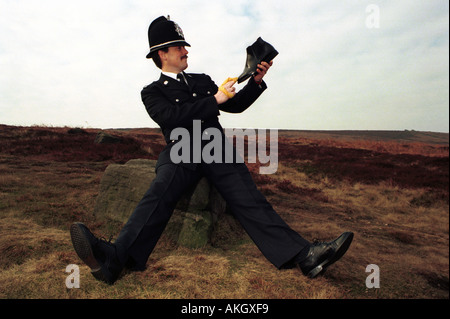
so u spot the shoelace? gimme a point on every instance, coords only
(103, 240)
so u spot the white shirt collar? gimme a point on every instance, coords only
(170, 74)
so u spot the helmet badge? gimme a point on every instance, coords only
(178, 30)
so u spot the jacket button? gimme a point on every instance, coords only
(194, 94)
(208, 93)
(166, 82)
(177, 100)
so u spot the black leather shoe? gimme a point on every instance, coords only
(98, 254)
(256, 53)
(322, 255)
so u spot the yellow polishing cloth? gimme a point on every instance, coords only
(228, 80)
(221, 88)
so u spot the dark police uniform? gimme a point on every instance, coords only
(173, 104)
(190, 111)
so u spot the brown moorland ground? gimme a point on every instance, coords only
(389, 188)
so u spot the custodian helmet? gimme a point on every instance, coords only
(163, 33)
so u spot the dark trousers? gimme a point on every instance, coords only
(274, 238)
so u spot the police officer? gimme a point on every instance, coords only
(175, 101)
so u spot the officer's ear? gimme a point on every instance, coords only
(156, 56)
(161, 55)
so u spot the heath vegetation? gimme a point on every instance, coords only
(389, 188)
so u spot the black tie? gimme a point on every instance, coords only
(181, 78)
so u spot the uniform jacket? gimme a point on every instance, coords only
(173, 104)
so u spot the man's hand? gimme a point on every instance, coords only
(262, 70)
(222, 97)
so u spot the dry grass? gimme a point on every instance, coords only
(404, 230)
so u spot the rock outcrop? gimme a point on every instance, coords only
(105, 138)
(200, 216)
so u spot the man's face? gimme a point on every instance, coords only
(174, 60)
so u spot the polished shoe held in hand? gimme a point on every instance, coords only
(256, 53)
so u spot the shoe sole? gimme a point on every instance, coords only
(83, 248)
(342, 249)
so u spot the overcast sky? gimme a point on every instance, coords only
(342, 65)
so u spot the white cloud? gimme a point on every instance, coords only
(83, 63)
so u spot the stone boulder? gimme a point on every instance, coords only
(200, 216)
(76, 130)
(122, 187)
(105, 138)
